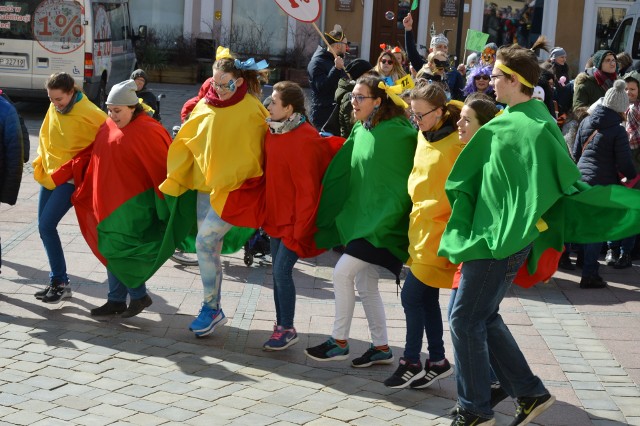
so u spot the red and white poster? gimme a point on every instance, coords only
(302, 10)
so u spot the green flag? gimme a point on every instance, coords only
(414, 5)
(476, 40)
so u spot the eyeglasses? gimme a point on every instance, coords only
(610, 61)
(386, 61)
(358, 98)
(418, 117)
(228, 86)
(481, 77)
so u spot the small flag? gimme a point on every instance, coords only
(476, 40)
(414, 5)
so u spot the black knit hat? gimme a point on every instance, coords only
(358, 67)
(139, 73)
(599, 56)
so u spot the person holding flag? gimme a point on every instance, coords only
(218, 152)
(70, 125)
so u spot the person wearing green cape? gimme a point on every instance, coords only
(365, 206)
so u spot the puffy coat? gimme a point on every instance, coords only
(11, 155)
(324, 78)
(608, 153)
(586, 90)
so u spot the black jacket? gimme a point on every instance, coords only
(324, 78)
(11, 155)
(608, 153)
(26, 146)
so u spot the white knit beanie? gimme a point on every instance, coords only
(616, 98)
(123, 93)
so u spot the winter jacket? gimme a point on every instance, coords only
(11, 156)
(587, 90)
(26, 146)
(324, 78)
(608, 153)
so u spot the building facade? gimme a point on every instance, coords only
(579, 26)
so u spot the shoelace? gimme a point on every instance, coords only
(277, 334)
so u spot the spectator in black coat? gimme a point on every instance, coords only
(144, 93)
(26, 145)
(11, 156)
(602, 152)
(325, 71)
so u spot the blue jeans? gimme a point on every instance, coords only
(118, 291)
(481, 339)
(422, 312)
(284, 290)
(211, 231)
(52, 206)
(590, 264)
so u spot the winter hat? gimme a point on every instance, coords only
(336, 35)
(599, 56)
(357, 68)
(616, 98)
(139, 73)
(124, 93)
(557, 52)
(538, 93)
(438, 39)
(633, 76)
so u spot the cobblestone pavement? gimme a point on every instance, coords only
(58, 365)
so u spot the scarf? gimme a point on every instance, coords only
(75, 98)
(280, 127)
(633, 125)
(605, 79)
(212, 97)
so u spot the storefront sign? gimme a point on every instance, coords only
(344, 5)
(449, 8)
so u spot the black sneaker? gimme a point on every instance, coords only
(565, 262)
(531, 407)
(405, 375)
(328, 351)
(54, 281)
(498, 395)
(136, 306)
(624, 261)
(463, 418)
(592, 281)
(612, 257)
(433, 373)
(109, 308)
(373, 356)
(57, 292)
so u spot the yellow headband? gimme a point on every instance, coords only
(393, 92)
(223, 52)
(508, 70)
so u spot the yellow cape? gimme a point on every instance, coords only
(431, 209)
(62, 136)
(217, 149)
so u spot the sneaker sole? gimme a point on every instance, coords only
(435, 379)
(376, 362)
(223, 321)
(333, 358)
(537, 411)
(418, 376)
(273, 348)
(55, 302)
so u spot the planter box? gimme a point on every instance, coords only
(172, 74)
(299, 76)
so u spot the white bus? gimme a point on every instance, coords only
(92, 40)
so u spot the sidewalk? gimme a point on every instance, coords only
(58, 365)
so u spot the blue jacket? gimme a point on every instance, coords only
(11, 155)
(608, 153)
(324, 78)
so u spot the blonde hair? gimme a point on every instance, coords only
(396, 71)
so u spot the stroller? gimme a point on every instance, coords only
(259, 245)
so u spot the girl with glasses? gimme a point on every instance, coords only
(438, 148)
(478, 81)
(218, 152)
(389, 68)
(365, 207)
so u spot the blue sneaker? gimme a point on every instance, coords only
(207, 320)
(328, 351)
(281, 339)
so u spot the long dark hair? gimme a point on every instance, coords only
(62, 81)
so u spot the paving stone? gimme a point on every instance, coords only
(92, 420)
(21, 418)
(164, 397)
(145, 419)
(223, 412)
(270, 410)
(252, 419)
(343, 414)
(64, 413)
(147, 407)
(175, 414)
